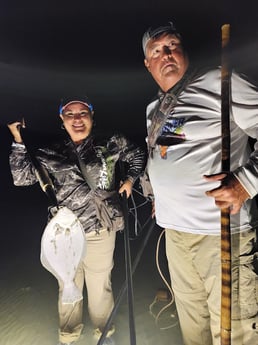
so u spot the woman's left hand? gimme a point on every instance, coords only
(126, 187)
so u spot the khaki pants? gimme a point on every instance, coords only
(95, 271)
(195, 269)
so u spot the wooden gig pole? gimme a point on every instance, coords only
(225, 213)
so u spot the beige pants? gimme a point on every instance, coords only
(195, 270)
(95, 271)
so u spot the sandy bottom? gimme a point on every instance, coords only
(28, 298)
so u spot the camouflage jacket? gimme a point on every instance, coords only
(60, 160)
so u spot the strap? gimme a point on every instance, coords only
(82, 167)
(165, 108)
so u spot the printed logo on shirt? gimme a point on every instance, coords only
(174, 128)
(107, 168)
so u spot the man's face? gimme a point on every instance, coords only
(77, 120)
(166, 60)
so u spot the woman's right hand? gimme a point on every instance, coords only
(15, 130)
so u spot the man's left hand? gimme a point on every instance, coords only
(230, 194)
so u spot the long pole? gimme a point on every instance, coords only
(41, 173)
(129, 281)
(225, 213)
(124, 286)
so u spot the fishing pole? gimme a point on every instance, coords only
(128, 267)
(128, 263)
(41, 172)
(124, 286)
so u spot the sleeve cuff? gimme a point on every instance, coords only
(246, 178)
(14, 144)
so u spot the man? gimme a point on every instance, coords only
(184, 168)
(68, 162)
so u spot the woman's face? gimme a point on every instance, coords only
(77, 120)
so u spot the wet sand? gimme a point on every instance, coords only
(28, 294)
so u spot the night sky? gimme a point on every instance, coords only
(50, 49)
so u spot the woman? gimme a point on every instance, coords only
(82, 168)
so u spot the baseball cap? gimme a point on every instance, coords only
(75, 99)
(154, 32)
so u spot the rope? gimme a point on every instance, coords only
(165, 293)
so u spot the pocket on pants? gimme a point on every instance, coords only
(245, 291)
